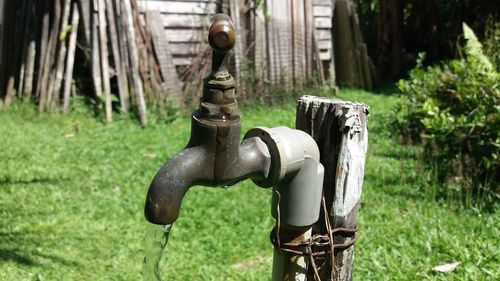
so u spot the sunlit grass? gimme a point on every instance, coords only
(73, 189)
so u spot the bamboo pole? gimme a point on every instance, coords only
(340, 130)
(70, 61)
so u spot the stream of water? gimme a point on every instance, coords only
(155, 242)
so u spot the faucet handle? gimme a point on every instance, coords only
(221, 35)
(219, 86)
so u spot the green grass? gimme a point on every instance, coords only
(72, 194)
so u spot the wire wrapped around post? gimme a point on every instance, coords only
(318, 246)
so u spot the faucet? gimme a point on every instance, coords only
(213, 155)
(283, 158)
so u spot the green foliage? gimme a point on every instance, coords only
(453, 109)
(474, 52)
(163, 111)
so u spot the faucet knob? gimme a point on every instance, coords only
(221, 35)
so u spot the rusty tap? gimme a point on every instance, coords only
(213, 155)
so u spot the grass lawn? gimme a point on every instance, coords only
(72, 191)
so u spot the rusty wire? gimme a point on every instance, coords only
(322, 244)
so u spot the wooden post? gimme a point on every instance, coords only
(340, 130)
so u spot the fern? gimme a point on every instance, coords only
(474, 50)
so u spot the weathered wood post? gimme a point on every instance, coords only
(340, 130)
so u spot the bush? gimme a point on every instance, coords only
(453, 110)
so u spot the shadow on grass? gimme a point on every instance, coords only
(8, 180)
(25, 256)
(12, 255)
(23, 247)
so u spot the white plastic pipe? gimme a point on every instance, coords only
(297, 177)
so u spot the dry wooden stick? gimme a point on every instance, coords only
(95, 60)
(119, 70)
(10, 91)
(147, 60)
(46, 82)
(59, 71)
(44, 38)
(104, 60)
(27, 88)
(26, 26)
(70, 61)
(122, 37)
(134, 62)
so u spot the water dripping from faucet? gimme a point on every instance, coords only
(155, 242)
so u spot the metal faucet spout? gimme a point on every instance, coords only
(197, 166)
(171, 183)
